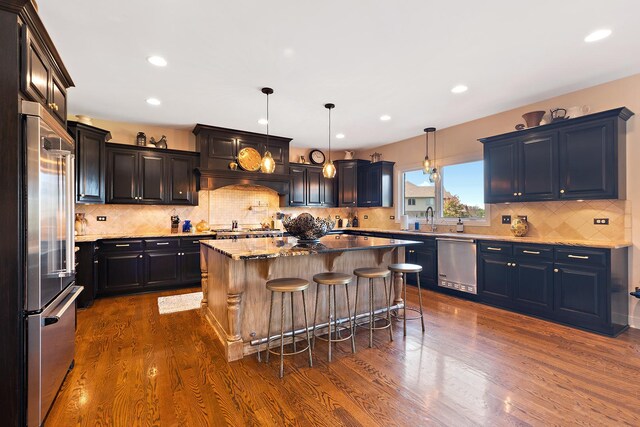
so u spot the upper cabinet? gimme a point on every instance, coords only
(137, 175)
(582, 158)
(308, 187)
(90, 161)
(375, 185)
(347, 175)
(43, 77)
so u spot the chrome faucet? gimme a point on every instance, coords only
(433, 224)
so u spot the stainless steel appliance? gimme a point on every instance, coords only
(50, 293)
(457, 264)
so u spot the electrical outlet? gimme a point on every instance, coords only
(101, 218)
(392, 217)
(506, 219)
(366, 217)
(337, 216)
(601, 221)
(523, 217)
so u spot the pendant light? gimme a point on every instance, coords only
(267, 165)
(426, 163)
(434, 176)
(329, 169)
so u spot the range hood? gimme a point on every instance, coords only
(214, 179)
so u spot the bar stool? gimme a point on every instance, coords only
(371, 274)
(404, 269)
(283, 286)
(331, 280)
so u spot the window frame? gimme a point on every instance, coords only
(438, 218)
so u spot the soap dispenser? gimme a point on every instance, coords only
(460, 226)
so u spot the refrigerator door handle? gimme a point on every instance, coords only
(69, 300)
(70, 200)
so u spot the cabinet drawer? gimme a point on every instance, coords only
(581, 256)
(168, 243)
(121, 245)
(193, 242)
(500, 248)
(533, 251)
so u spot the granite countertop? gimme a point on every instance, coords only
(94, 237)
(247, 249)
(605, 244)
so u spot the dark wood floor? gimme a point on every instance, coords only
(475, 365)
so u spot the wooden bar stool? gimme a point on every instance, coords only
(404, 269)
(283, 286)
(372, 274)
(331, 280)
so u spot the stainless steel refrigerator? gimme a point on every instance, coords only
(50, 294)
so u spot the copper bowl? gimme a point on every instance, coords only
(533, 118)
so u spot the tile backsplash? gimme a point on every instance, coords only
(251, 205)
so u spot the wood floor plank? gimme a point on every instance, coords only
(474, 365)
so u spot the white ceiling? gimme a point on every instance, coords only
(369, 57)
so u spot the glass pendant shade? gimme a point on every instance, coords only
(267, 165)
(426, 165)
(329, 170)
(434, 176)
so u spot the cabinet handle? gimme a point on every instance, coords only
(519, 194)
(490, 248)
(514, 264)
(95, 262)
(180, 192)
(508, 264)
(123, 245)
(555, 270)
(515, 194)
(561, 191)
(139, 256)
(162, 243)
(578, 256)
(531, 252)
(51, 104)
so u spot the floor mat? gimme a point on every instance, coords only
(177, 303)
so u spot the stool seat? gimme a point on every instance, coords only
(331, 278)
(371, 273)
(288, 284)
(405, 268)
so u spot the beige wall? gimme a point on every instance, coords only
(459, 143)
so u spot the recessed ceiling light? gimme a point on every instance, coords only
(340, 135)
(598, 35)
(153, 101)
(385, 117)
(459, 89)
(263, 121)
(158, 61)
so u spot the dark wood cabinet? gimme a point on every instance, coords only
(120, 271)
(42, 78)
(154, 177)
(533, 286)
(347, 176)
(90, 162)
(162, 268)
(86, 273)
(375, 184)
(495, 279)
(308, 187)
(581, 158)
(190, 266)
(580, 294)
(424, 255)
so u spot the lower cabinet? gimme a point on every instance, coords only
(129, 266)
(424, 255)
(582, 287)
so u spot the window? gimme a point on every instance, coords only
(458, 194)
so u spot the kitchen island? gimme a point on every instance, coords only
(234, 272)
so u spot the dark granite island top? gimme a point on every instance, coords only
(264, 248)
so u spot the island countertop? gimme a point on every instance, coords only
(246, 249)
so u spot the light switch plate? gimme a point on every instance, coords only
(506, 219)
(101, 218)
(601, 221)
(392, 217)
(337, 216)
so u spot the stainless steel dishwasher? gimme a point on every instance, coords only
(457, 264)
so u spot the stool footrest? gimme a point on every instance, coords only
(291, 353)
(364, 325)
(399, 317)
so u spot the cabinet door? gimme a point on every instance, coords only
(181, 189)
(59, 99)
(314, 187)
(120, 271)
(297, 186)
(151, 183)
(494, 277)
(501, 171)
(348, 184)
(370, 186)
(329, 193)
(538, 178)
(122, 176)
(580, 295)
(90, 164)
(162, 268)
(587, 161)
(191, 266)
(533, 286)
(37, 73)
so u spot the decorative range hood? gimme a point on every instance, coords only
(219, 148)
